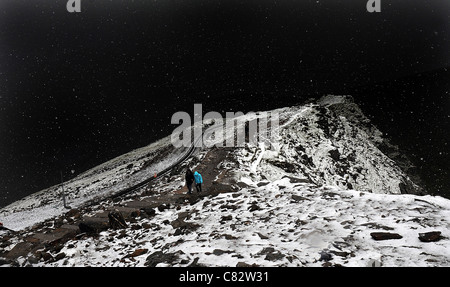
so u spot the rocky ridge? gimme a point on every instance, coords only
(324, 194)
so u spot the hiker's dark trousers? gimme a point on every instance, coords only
(198, 186)
(189, 186)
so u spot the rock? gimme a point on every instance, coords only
(341, 253)
(229, 206)
(297, 180)
(4, 261)
(262, 236)
(183, 227)
(325, 256)
(47, 257)
(60, 256)
(274, 256)
(33, 259)
(299, 198)
(385, 235)
(148, 211)
(93, 225)
(286, 166)
(183, 215)
(253, 207)
(228, 237)
(335, 154)
(159, 257)
(136, 227)
(430, 236)
(195, 263)
(163, 207)
(116, 220)
(243, 264)
(20, 249)
(219, 252)
(137, 252)
(178, 223)
(262, 183)
(75, 213)
(226, 218)
(271, 254)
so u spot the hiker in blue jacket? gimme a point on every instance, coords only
(198, 181)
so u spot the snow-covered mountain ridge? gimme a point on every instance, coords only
(316, 196)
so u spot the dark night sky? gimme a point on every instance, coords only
(79, 89)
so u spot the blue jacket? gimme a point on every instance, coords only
(198, 177)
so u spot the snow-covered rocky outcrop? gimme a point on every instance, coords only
(323, 193)
(331, 142)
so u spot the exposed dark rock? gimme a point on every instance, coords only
(229, 206)
(430, 236)
(4, 261)
(20, 249)
(60, 256)
(226, 218)
(93, 225)
(271, 254)
(262, 236)
(242, 185)
(286, 166)
(297, 180)
(116, 220)
(183, 227)
(219, 252)
(159, 257)
(299, 198)
(148, 211)
(263, 183)
(253, 207)
(335, 154)
(47, 257)
(195, 263)
(243, 264)
(385, 235)
(137, 252)
(73, 213)
(325, 256)
(163, 207)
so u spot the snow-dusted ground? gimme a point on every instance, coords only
(322, 187)
(291, 225)
(97, 183)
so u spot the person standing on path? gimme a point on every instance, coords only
(189, 180)
(198, 181)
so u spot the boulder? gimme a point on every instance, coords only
(430, 236)
(385, 235)
(93, 225)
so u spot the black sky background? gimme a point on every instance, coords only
(79, 89)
